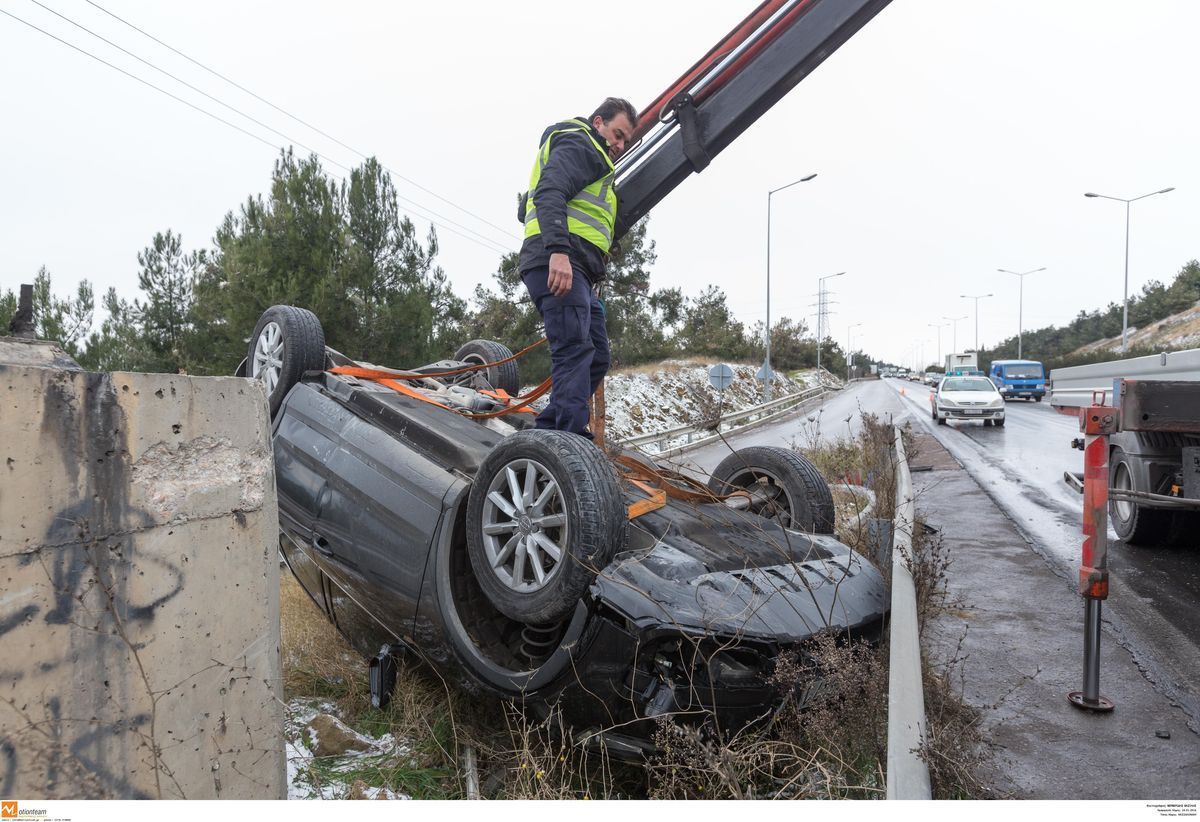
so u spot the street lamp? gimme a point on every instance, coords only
(767, 362)
(820, 311)
(939, 327)
(849, 328)
(1125, 300)
(1020, 300)
(976, 298)
(954, 338)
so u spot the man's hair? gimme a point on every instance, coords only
(613, 106)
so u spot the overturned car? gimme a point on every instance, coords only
(422, 513)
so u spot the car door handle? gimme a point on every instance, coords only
(322, 545)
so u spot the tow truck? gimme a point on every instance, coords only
(1154, 443)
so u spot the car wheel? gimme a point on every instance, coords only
(987, 423)
(1133, 523)
(999, 423)
(1037, 399)
(503, 377)
(941, 421)
(545, 515)
(286, 342)
(784, 486)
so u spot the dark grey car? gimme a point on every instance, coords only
(506, 558)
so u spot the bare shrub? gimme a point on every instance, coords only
(954, 747)
(827, 741)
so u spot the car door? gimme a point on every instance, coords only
(377, 516)
(302, 443)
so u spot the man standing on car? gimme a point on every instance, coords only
(570, 218)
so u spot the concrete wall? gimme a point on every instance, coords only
(139, 588)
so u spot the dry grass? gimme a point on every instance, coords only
(826, 743)
(317, 662)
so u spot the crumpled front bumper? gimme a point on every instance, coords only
(665, 641)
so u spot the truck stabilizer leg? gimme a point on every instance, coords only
(1097, 422)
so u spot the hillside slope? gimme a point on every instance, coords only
(1178, 331)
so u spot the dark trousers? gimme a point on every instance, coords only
(579, 356)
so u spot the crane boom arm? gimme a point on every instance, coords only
(728, 89)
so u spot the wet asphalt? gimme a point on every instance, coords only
(1015, 637)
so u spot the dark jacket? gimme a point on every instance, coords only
(573, 165)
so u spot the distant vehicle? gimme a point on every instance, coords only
(967, 398)
(963, 364)
(1019, 378)
(933, 377)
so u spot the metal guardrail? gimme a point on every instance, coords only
(907, 773)
(1074, 387)
(696, 437)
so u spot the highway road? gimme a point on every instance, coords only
(1154, 607)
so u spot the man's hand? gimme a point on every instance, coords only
(559, 281)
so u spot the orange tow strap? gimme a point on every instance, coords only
(657, 498)
(417, 375)
(393, 379)
(661, 483)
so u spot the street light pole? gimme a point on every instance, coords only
(849, 328)
(1125, 299)
(767, 361)
(1021, 275)
(976, 298)
(954, 338)
(939, 327)
(820, 306)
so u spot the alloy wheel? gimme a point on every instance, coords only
(268, 356)
(525, 529)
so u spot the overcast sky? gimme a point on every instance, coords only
(951, 138)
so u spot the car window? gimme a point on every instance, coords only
(957, 384)
(1025, 372)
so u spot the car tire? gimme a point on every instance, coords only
(1037, 399)
(504, 377)
(287, 342)
(987, 423)
(941, 421)
(1135, 524)
(998, 423)
(570, 503)
(785, 487)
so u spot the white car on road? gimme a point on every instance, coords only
(967, 398)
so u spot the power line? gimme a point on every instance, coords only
(304, 123)
(486, 242)
(140, 80)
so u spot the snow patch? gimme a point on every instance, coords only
(654, 399)
(337, 775)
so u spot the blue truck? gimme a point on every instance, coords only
(1019, 378)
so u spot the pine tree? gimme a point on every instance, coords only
(167, 279)
(64, 321)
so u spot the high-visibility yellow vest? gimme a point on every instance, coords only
(592, 213)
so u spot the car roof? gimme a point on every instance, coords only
(970, 378)
(1016, 362)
